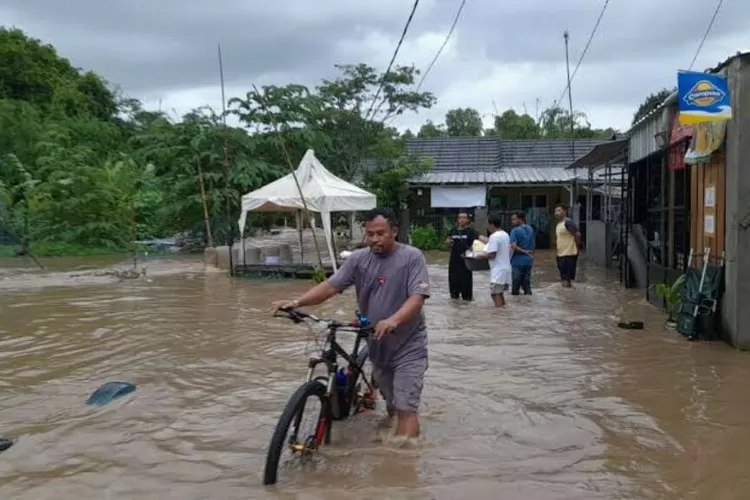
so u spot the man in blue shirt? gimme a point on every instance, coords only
(522, 260)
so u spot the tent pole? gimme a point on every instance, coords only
(244, 253)
(333, 244)
(300, 228)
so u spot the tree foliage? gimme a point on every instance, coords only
(83, 165)
(343, 119)
(390, 180)
(554, 123)
(652, 102)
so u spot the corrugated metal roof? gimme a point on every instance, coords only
(517, 176)
(643, 137)
(602, 154)
(507, 176)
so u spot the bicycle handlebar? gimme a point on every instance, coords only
(298, 316)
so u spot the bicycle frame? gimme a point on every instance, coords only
(332, 349)
(328, 357)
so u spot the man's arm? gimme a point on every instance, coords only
(316, 295)
(340, 281)
(418, 282)
(449, 239)
(573, 229)
(490, 251)
(514, 242)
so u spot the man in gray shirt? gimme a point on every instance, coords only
(392, 284)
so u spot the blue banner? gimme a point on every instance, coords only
(703, 97)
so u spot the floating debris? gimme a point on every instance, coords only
(631, 325)
(121, 274)
(109, 391)
(6, 443)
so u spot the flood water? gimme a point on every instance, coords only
(546, 399)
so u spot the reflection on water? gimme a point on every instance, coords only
(545, 399)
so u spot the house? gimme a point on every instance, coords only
(606, 196)
(501, 175)
(686, 192)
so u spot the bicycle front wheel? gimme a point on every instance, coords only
(289, 437)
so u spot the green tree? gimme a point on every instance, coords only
(431, 131)
(188, 158)
(463, 122)
(342, 119)
(390, 181)
(84, 166)
(556, 123)
(33, 72)
(652, 102)
(510, 125)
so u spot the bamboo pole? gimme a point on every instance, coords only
(206, 218)
(262, 102)
(228, 204)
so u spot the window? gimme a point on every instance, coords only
(498, 202)
(527, 201)
(540, 201)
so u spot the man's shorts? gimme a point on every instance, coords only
(401, 385)
(498, 288)
(567, 264)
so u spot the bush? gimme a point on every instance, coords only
(426, 238)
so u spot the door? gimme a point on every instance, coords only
(536, 207)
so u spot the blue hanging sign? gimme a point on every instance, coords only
(703, 97)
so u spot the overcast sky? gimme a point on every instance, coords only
(164, 51)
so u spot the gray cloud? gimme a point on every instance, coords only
(510, 53)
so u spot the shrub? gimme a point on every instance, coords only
(426, 238)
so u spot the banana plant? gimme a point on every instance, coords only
(672, 294)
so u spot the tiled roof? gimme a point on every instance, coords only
(458, 154)
(522, 175)
(479, 160)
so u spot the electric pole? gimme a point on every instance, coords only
(574, 193)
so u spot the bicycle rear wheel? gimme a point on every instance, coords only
(287, 433)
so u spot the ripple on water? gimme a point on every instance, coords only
(545, 399)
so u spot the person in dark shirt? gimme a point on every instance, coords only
(522, 243)
(460, 280)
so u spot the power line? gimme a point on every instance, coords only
(575, 71)
(445, 42)
(437, 54)
(708, 30)
(393, 59)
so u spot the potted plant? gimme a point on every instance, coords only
(671, 294)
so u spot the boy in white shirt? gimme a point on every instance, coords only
(498, 253)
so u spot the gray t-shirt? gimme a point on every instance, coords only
(383, 283)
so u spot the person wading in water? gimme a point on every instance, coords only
(460, 279)
(568, 245)
(392, 284)
(522, 258)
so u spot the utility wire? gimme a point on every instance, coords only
(708, 30)
(437, 54)
(393, 59)
(445, 42)
(575, 71)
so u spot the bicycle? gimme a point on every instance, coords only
(339, 391)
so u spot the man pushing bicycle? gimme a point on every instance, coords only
(392, 284)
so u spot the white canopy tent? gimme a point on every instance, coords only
(324, 193)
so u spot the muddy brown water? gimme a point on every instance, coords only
(546, 399)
